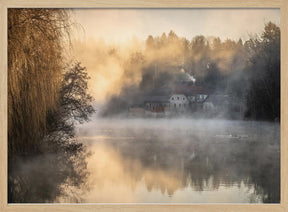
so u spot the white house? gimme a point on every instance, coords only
(179, 103)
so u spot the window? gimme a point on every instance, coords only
(174, 105)
(178, 97)
(172, 98)
(179, 105)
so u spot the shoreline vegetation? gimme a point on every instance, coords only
(45, 99)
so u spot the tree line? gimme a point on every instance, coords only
(248, 71)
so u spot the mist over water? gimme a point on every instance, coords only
(159, 161)
(179, 161)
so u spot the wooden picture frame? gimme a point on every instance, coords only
(282, 4)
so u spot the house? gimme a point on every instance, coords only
(195, 94)
(184, 97)
(156, 104)
(179, 103)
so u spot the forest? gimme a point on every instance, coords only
(248, 71)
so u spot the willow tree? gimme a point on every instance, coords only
(36, 39)
(45, 98)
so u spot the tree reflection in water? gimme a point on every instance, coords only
(38, 179)
(173, 160)
(237, 162)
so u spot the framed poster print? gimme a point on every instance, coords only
(144, 105)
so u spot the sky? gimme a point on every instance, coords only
(100, 30)
(118, 25)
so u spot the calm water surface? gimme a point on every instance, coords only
(179, 161)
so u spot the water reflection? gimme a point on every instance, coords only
(38, 179)
(180, 161)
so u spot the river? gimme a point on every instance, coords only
(178, 161)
